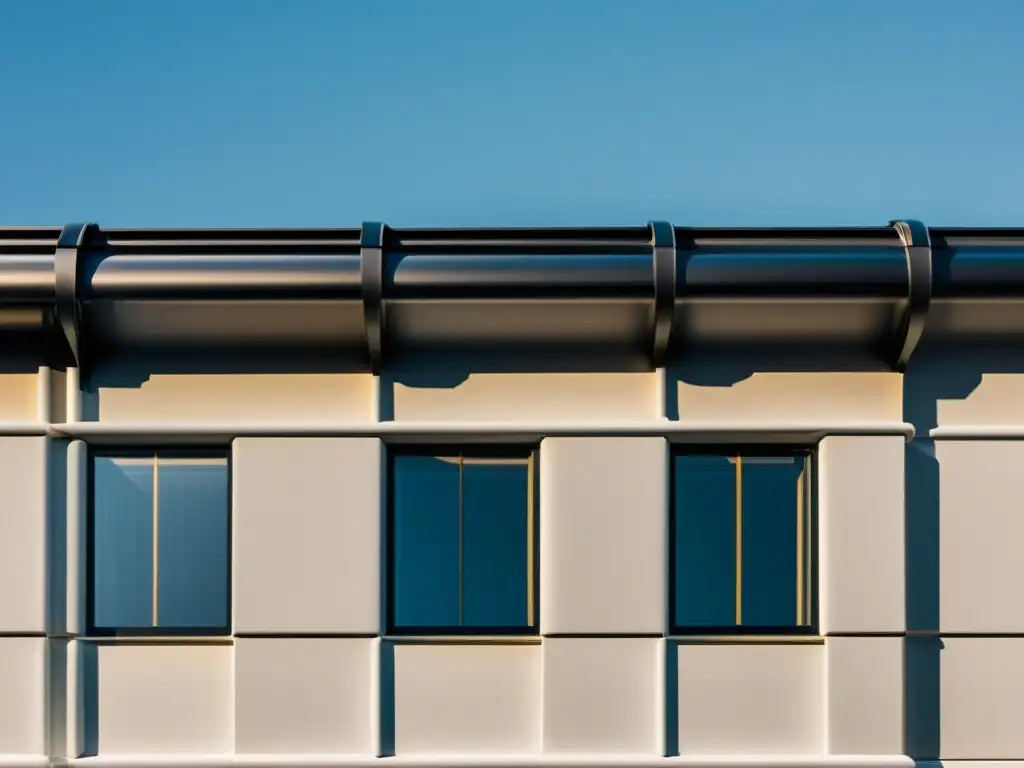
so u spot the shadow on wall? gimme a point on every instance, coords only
(57, 539)
(88, 661)
(734, 366)
(133, 370)
(938, 378)
(937, 384)
(25, 351)
(18, 365)
(441, 369)
(387, 699)
(671, 699)
(922, 697)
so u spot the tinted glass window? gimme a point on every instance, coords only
(463, 543)
(742, 535)
(161, 543)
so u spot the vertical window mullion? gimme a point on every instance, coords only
(800, 559)
(461, 537)
(808, 550)
(156, 538)
(529, 543)
(739, 540)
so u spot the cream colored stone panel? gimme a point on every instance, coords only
(602, 695)
(303, 695)
(861, 534)
(981, 530)
(604, 529)
(865, 695)
(22, 695)
(23, 523)
(751, 699)
(982, 698)
(307, 534)
(18, 397)
(163, 699)
(466, 699)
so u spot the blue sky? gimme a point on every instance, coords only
(329, 112)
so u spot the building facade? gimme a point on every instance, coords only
(624, 496)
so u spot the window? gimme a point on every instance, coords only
(463, 543)
(160, 546)
(742, 543)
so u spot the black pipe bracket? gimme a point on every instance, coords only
(917, 243)
(67, 259)
(663, 243)
(371, 266)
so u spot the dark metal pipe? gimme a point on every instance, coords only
(787, 274)
(981, 274)
(27, 278)
(974, 264)
(689, 277)
(448, 277)
(205, 276)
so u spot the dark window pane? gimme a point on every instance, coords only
(193, 543)
(769, 541)
(705, 541)
(426, 542)
(122, 542)
(494, 549)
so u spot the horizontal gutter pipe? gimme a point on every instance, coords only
(906, 263)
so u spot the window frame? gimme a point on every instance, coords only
(811, 540)
(136, 451)
(531, 453)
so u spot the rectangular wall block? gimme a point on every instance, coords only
(982, 698)
(452, 699)
(861, 534)
(19, 396)
(602, 695)
(157, 699)
(307, 534)
(22, 695)
(980, 533)
(23, 539)
(750, 699)
(865, 695)
(604, 529)
(304, 695)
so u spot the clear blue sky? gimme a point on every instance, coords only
(326, 113)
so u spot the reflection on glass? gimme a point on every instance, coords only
(494, 533)
(462, 538)
(705, 541)
(741, 548)
(160, 543)
(770, 543)
(192, 583)
(426, 541)
(122, 536)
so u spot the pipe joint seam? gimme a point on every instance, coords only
(909, 329)
(663, 243)
(67, 265)
(371, 266)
